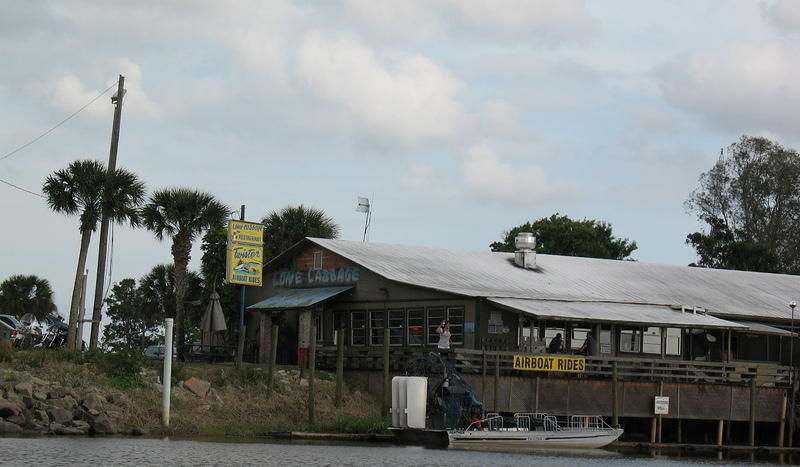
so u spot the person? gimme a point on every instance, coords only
(444, 335)
(589, 346)
(556, 345)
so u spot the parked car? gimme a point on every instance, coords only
(12, 322)
(156, 352)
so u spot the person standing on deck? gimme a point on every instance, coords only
(556, 345)
(444, 335)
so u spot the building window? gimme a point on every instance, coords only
(606, 347)
(435, 318)
(630, 340)
(376, 325)
(550, 332)
(673, 341)
(358, 325)
(396, 327)
(578, 337)
(651, 341)
(455, 315)
(317, 260)
(416, 326)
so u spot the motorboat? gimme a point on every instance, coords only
(537, 430)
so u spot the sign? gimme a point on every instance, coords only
(245, 258)
(661, 405)
(333, 276)
(548, 363)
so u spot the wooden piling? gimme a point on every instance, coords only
(720, 426)
(312, 336)
(653, 425)
(497, 382)
(339, 366)
(660, 417)
(263, 337)
(536, 405)
(752, 436)
(387, 387)
(782, 424)
(680, 431)
(483, 375)
(614, 408)
(273, 356)
(240, 346)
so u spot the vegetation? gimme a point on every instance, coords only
(80, 189)
(212, 268)
(132, 325)
(560, 235)
(284, 228)
(750, 200)
(182, 214)
(21, 294)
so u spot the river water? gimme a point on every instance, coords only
(141, 451)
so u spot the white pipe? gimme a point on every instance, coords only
(167, 378)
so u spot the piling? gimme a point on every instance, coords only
(782, 424)
(720, 426)
(614, 408)
(752, 437)
(660, 417)
(312, 351)
(339, 366)
(387, 387)
(273, 355)
(483, 374)
(166, 379)
(497, 382)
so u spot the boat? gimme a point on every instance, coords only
(537, 430)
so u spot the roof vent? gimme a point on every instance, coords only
(525, 256)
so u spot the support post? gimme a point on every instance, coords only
(483, 374)
(653, 424)
(536, 405)
(614, 409)
(240, 346)
(339, 366)
(242, 330)
(792, 404)
(312, 335)
(497, 382)
(166, 378)
(273, 355)
(720, 426)
(263, 337)
(752, 436)
(782, 425)
(660, 417)
(680, 430)
(387, 386)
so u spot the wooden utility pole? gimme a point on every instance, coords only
(97, 313)
(242, 329)
(312, 351)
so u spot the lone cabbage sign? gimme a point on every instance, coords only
(245, 253)
(548, 363)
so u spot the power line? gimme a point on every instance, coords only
(20, 188)
(56, 126)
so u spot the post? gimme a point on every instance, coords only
(536, 404)
(782, 425)
(792, 380)
(240, 346)
(614, 410)
(752, 437)
(387, 387)
(242, 330)
(273, 354)
(82, 311)
(339, 366)
(102, 252)
(497, 382)
(166, 379)
(263, 337)
(312, 335)
(653, 424)
(483, 374)
(660, 419)
(680, 430)
(720, 426)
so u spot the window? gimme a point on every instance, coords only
(416, 326)
(435, 318)
(550, 333)
(455, 315)
(673, 339)
(376, 327)
(358, 331)
(651, 341)
(605, 341)
(578, 337)
(396, 327)
(317, 260)
(630, 340)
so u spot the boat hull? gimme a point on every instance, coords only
(568, 439)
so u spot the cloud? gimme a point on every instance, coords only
(488, 177)
(397, 18)
(784, 14)
(407, 98)
(418, 175)
(742, 88)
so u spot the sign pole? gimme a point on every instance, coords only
(240, 347)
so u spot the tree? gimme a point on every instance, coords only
(750, 200)
(560, 235)
(79, 189)
(132, 326)
(212, 268)
(182, 214)
(20, 294)
(157, 290)
(284, 228)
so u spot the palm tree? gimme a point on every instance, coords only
(183, 214)
(21, 294)
(291, 224)
(78, 189)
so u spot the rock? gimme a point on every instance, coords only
(38, 382)
(59, 415)
(197, 386)
(303, 383)
(66, 403)
(137, 431)
(94, 412)
(42, 415)
(42, 396)
(18, 419)
(24, 389)
(93, 401)
(80, 414)
(57, 392)
(101, 425)
(7, 428)
(80, 424)
(68, 430)
(9, 409)
(30, 402)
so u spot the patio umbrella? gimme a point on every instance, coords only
(213, 322)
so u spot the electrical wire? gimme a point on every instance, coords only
(21, 189)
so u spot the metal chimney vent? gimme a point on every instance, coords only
(525, 256)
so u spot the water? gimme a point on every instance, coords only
(138, 452)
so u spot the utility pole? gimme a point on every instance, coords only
(97, 313)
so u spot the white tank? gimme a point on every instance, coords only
(409, 401)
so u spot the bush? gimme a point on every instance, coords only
(123, 366)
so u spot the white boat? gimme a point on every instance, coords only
(537, 430)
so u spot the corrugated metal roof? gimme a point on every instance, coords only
(758, 328)
(299, 298)
(488, 274)
(653, 315)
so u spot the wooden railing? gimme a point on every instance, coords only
(624, 369)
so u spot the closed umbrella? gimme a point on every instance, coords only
(213, 322)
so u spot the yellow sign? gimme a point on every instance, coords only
(548, 363)
(245, 259)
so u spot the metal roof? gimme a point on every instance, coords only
(758, 328)
(735, 294)
(652, 315)
(299, 298)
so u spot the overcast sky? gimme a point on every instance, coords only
(459, 118)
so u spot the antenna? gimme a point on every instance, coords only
(364, 206)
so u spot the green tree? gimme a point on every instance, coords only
(750, 200)
(157, 290)
(212, 268)
(182, 214)
(78, 190)
(132, 326)
(20, 294)
(284, 228)
(560, 235)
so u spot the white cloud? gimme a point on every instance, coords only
(743, 88)
(418, 175)
(418, 19)
(487, 176)
(408, 98)
(784, 14)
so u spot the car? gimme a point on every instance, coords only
(15, 326)
(156, 352)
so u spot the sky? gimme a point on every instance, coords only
(459, 119)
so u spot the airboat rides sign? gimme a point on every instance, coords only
(245, 253)
(548, 363)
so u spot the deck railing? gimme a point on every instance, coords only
(479, 362)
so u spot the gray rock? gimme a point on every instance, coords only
(42, 396)
(94, 412)
(59, 415)
(197, 386)
(24, 389)
(18, 419)
(9, 409)
(138, 431)
(68, 430)
(66, 403)
(7, 428)
(93, 401)
(42, 415)
(30, 402)
(57, 392)
(38, 382)
(80, 414)
(101, 425)
(80, 424)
